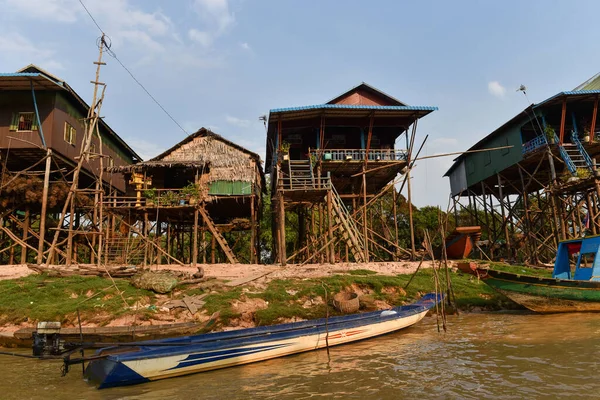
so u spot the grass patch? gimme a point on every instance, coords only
(361, 272)
(41, 297)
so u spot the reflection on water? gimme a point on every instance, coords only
(500, 356)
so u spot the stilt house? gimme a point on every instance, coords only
(541, 185)
(203, 185)
(326, 160)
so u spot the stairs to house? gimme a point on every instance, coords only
(575, 156)
(217, 235)
(300, 175)
(349, 230)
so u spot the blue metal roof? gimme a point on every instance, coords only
(568, 93)
(354, 107)
(17, 74)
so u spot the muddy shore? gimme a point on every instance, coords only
(236, 295)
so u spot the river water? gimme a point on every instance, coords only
(482, 356)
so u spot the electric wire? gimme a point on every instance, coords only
(114, 55)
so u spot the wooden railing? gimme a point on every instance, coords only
(361, 154)
(153, 198)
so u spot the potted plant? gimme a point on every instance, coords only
(191, 193)
(150, 195)
(586, 135)
(550, 134)
(285, 150)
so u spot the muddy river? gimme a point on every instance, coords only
(493, 355)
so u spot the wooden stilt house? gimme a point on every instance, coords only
(187, 202)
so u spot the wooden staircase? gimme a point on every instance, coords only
(300, 175)
(349, 230)
(217, 235)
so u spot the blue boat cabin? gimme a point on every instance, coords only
(585, 251)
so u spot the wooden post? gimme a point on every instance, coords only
(213, 247)
(562, 120)
(195, 239)
(413, 250)
(366, 237)
(282, 249)
(533, 252)
(40, 255)
(395, 211)
(145, 231)
(506, 235)
(26, 224)
(252, 231)
(593, 124)
(330, 230)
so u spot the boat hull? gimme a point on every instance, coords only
(153, 363)
(545, 295)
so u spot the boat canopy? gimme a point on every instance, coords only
(587, 266)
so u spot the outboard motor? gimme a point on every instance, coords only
(46, 339)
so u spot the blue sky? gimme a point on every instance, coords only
(223, 63)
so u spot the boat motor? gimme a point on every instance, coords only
(46, 339)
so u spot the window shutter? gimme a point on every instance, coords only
(14, 122)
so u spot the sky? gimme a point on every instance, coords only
(221, 64)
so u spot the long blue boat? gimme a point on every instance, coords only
(166, 358)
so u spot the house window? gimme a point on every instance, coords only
(70, 134)
(23, 122)
(488, 157)
(111, 162)
(93, 148)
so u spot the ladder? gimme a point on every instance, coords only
(350, 231)
(300, 174)
(217, 235)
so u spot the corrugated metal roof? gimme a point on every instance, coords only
(567, 93)
(19, 74)
(591, 84)
(354, 107)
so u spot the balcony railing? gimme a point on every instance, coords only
(534, 144)
(153, 198)
(361, 154)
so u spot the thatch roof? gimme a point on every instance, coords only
(226, 159)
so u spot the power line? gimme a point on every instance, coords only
(114, 55)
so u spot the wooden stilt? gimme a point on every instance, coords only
(282, 249)
(413, 250)
(253, 254)
(195, 239)
(26, 224)
(40, 255)
(213, 247)
(365, 227)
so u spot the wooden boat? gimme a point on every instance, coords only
(158, 359)
(461, 241)
(574, 286)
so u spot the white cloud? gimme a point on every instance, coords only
(146, 149)
(241, 123)
(58, 10)
(216, 20)
(23, 52)
(245, 46)
(204, 38)
(496, 89)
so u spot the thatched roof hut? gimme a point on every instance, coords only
(221, 163)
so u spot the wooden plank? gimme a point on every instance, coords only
(217, 235)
